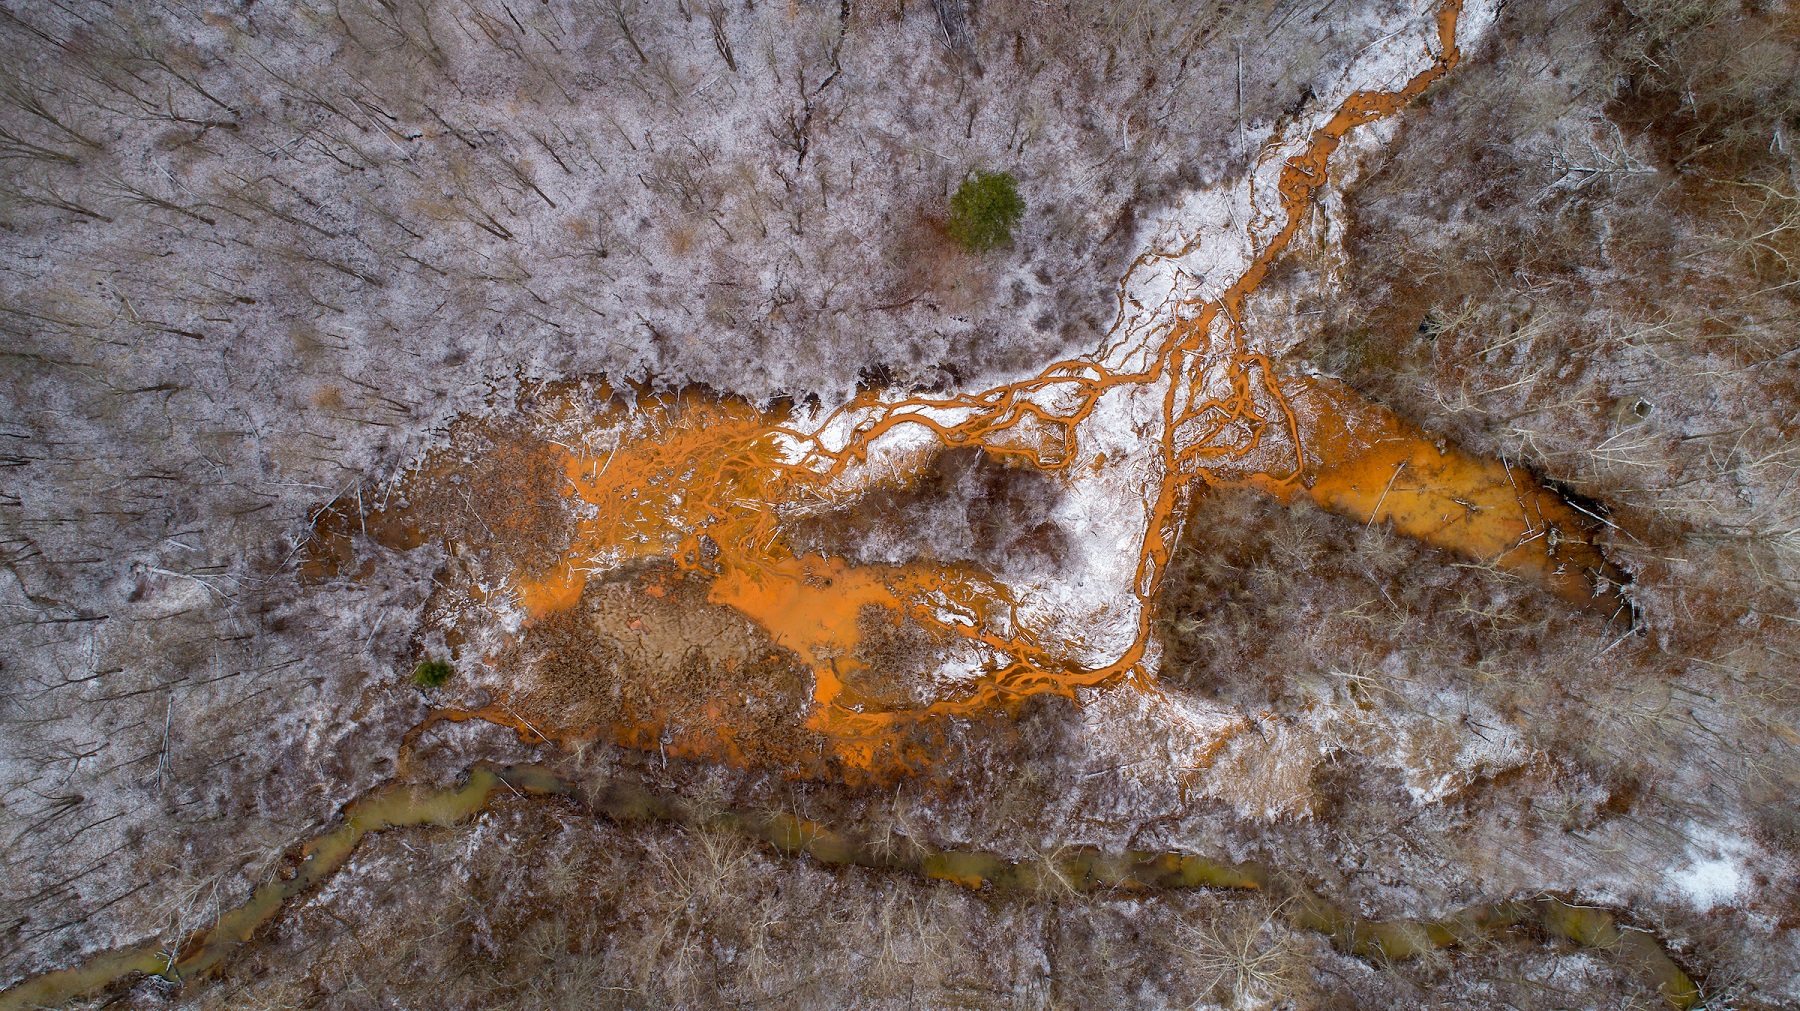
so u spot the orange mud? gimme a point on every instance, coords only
(702, 488)
(704, 482)
(1365, 462)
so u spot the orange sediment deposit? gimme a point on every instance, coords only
(709, 489)
(1365, 462)
(705, 488)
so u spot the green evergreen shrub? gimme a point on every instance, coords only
(984, 210)
(432, 673)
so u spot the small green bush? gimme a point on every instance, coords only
(984, 210)
(432, 673)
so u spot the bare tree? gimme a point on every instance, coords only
(715, 16)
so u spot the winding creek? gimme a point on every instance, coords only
(396, 807)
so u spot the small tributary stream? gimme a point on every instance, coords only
(1637, 951)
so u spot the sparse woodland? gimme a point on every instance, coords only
(257, 257)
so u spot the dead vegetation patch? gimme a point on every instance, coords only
(649, 661)
(492, 489)
(967, 506)
(1582, 258)
(538, 907)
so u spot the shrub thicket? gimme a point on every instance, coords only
(984, 210)
(432, 673)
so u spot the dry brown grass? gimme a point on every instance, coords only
(1246, 957)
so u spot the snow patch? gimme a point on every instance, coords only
(1717, 870)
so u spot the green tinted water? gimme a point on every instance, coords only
(1072, 870)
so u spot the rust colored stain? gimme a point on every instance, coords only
(703, 482)
(702, 487)
(1365, 462)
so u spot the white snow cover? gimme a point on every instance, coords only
(1194, 251)
(1716, 871)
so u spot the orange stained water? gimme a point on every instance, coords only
(701, 481)
(704, 481)
(698, 479)
(1363, 461)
